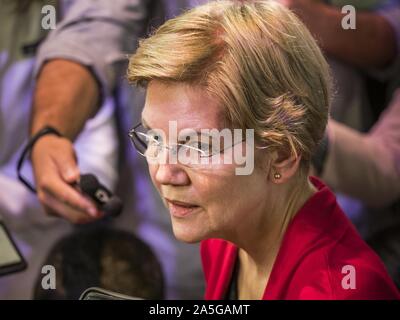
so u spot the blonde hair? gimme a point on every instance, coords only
(257, 58)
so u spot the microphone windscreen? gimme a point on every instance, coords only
(113, 206)
(109, 204)
(89, 184)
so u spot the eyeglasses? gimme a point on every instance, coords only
(149, 143)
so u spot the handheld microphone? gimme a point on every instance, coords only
(107, 202)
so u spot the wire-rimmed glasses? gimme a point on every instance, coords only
(194, 151)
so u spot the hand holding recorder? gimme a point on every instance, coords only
(59, 186)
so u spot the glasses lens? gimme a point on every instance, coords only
(188, 155)
(138, 143)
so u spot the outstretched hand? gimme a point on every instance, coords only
(56, 171)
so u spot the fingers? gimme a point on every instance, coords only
(54, 207)
(67, 167)
(53, 185)
(55, 169)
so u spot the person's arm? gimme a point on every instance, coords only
(66, 96)
(371, 44)
(366, 166)
(76, 65)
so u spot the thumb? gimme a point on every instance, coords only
(67, 165)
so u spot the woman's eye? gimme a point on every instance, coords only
(155, 138)
(153, 141)
(205, 147)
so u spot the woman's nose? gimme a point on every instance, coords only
(171, 174)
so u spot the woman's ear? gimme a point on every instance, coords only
(283, 166)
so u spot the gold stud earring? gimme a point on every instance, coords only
(277, 176)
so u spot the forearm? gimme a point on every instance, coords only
(66, 95)
(361, 166)
(371, 44)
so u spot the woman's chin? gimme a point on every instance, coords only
(187, 235)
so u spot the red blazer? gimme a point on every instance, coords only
(319, 242)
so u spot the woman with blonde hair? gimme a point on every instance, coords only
(271, 232)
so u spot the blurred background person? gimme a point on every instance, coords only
(366, 166)
(365, 64)
(62, 79)
(106, 258)
(364, 61)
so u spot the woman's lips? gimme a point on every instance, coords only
(180, 209)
